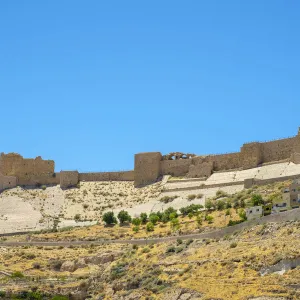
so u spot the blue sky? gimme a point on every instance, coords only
(90, 83)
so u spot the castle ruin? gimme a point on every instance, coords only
(149, 166)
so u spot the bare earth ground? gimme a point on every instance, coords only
(35, 209)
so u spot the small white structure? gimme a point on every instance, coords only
(254, 212)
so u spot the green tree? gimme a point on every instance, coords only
(199, 220)
(109, 218)
(175, 224)
(144, 218)
(136, 228)
(136, 221)
(257, 199)
(123, 216)
(150, 226)
(220, 205)
(242, 214)
(209, 219)
(153, 218)
(208, 204)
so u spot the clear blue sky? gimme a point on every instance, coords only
(90, 83)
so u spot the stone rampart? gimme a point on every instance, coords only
(147, 167)
(7, 182)
(27, 171)
(107, 176)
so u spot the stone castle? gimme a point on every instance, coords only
(150, 166)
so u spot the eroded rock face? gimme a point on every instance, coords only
(80, 263)
(68, 266)
(101, 258)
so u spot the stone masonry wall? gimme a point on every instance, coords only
(7, 182)
(146, 167)
(28, 171)
(277, 150)
(175, 167)
(107, 176)
(68, 179)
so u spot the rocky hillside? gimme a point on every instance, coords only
(257, 263)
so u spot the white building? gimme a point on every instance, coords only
(254, 212)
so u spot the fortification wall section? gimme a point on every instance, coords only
(225, 161)
(178, 167)
(7, 182)
(107, 176)
(278, 150)
(41, 179)
(28, 171)
(147, 168)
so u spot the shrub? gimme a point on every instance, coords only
(43, 187)
(109, 218)
(191, 197)
(209, 204)
(179, 249)
(2, 294)
(231, 222)
(59, 298)
(77, 217)
(146, 250)
(193, 208)
(144, 218)
(175, 224)
(221, 194)
(136, 228)
(209, 219)
(257, 199)
(179, 241)
(199, 196)
(173, 215)
(227, 212)
(136, 221)
(170, 249)
(36, 265)
(190, 215)
(189, 241)
(150, 226)
(135, 247)
(199, 220)
(17, 274)
(153, 218)
(167, 199)
(233, 245)
(56, 265)
(242, 214)
(220, 205)
(123, 216)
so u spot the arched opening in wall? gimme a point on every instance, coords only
(184, 156)
(173, 157)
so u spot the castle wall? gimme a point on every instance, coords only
(177, 167)
(7, 182)
(28, 171)
(224, 161)
(68, 179)
(107, 176)
(278, 150)
(146, 167)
